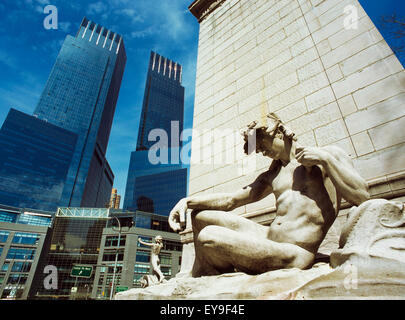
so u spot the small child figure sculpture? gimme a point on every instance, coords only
(155, 261)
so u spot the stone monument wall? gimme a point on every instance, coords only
(321, 65)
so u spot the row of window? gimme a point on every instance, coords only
(112, 241)
(110, 268)
(23, 219)
(141, 256)
(109, 279)
(144, 256)
(18, 266)
(15, 253)
(19, 279)
(113, 256)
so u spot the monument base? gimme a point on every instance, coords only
(383, 279)
(369, 264)
(321, 282)
(279, 284)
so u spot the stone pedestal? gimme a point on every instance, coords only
(280, 284)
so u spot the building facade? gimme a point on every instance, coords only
(81, 96)
(88, 238)
(75, 240)
(158, 144)
(133, 258)
(24, 234)
(115, 199)
(34, 161)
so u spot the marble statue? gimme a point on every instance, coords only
(157, 276)
(308, 184)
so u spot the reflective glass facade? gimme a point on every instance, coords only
(163, 100)
(81, 95)
(75, 239)
(171, 188)
(163, 108)
(143, 171)
(34, 161)
(22, 217)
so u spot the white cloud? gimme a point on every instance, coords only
(7, 59)
(143, 33)
(39, 9)
(176, 24)
(130, 13)
(96, 8)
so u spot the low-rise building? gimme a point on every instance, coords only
(132, 259)
(95, 252)
(24, 235)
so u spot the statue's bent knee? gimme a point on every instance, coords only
(208, 236)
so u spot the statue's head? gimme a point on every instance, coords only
(268, 135)
(158, 239)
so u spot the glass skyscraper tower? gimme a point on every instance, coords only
(34, 160)
(163, 101)
(157, 186)
(80, 96)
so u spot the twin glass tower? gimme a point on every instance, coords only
(57, 156)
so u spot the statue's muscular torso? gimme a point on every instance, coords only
(307, 204)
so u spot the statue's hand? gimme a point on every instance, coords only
(177, 217)
(310, 156)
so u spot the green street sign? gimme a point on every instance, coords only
(83, 271)
(121, 288)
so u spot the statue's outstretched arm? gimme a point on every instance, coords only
(145, 243)
(257, 190)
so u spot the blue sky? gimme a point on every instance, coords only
(28, 52)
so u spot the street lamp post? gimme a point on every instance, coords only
(80, 261)
(116, 256)
(19, 275)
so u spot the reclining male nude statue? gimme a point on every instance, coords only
(308, 184)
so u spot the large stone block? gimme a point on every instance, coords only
(388, 134)
(362, 143)
(381, 90)
(376, 115)
(369, 75)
